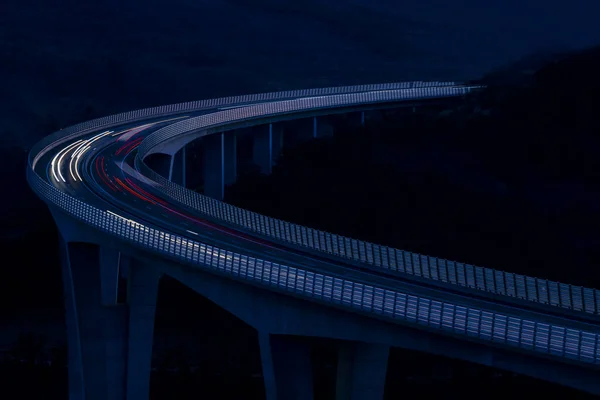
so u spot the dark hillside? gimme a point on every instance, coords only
(507, 181)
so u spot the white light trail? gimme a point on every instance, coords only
(84, 146)
(77, 161)
(57, 161)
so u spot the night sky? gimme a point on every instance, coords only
(61, 61)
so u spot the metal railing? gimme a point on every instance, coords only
(270, 108)
(165, 110)
(505, 330)
(376, 256)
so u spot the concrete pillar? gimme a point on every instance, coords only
(177, 166)
(141, 300)
(267, 144)
(171, 167)
(74, 357)
(230, 154)
(109, 344)
(361, 371)
(218, 167)
(321, 128)
(109, 275)
(278, 141)
(286, 367)
(352, 121)
(183, 166)
(373, 116)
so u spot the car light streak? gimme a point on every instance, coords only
(128, 170)
(129, 145)
(57, 161)
(76, 166)
(133, 192)
(84, 146)
(139, 187)
(144, 195)
(99, 163)
(140, 193)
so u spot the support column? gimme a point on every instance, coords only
(267, 144)
(373, 116)
(214, 165)
(262, 148)
(141, 300)
(171, 167)
(352, 121)
(74, 356)
(109, 344)
(286, 367)
(361, 371)
(277, 140)
(183, 166)
(321, 128)
(230, 154)
(109, 275)
(218, 167)
(177, 167)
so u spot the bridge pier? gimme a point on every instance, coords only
(109, 344)
(230, 154)
(267, 144)
(306, 129)
(321, 128)
(177, 165)
(356, 119)
(220, 163)
(286, 367)
(109, 275)
(361, 371)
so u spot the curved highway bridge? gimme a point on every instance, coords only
(116, 187)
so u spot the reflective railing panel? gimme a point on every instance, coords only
(510, 331)
(130, 116)
(381, 257)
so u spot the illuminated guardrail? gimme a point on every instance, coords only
(510, 331)
(154, 112)
(380, 257)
